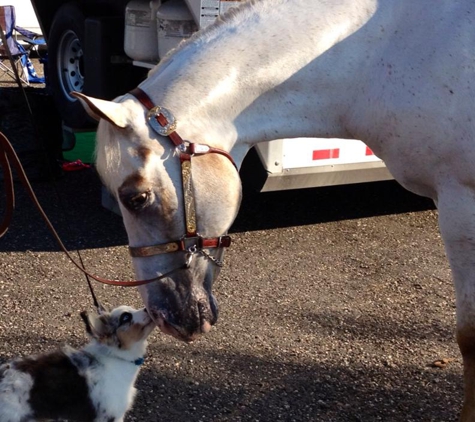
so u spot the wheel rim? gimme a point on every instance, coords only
(70, 64)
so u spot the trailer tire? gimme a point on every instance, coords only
(66, 64)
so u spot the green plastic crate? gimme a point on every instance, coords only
(83, 148)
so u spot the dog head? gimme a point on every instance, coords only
(124, 329)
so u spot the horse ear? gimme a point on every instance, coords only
(102, 109)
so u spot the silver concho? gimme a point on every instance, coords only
(157, 127)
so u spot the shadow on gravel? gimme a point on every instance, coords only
(254, 389)
(370, 327)
(73, 204)
(248, 388)
(261, 211)
(195, 384)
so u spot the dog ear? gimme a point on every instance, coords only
(102, 309)
(87, 323)
(95, 326)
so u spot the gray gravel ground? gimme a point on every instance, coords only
(334, 303)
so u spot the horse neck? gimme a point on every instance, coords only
(234, 85)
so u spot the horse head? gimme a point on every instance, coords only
(142, 170)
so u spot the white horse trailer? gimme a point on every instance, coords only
(105, 47)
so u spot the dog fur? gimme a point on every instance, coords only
(93, 384)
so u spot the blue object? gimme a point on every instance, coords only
(14, 51)
(139, 361)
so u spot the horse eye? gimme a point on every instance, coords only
(125, 318)
(138, 201)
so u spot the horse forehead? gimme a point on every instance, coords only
(121, 153)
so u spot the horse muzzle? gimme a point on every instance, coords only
(185, 314)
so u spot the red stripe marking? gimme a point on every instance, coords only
(368, 151)
(326, 154)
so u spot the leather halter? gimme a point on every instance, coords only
(191, 242)
(163, 122)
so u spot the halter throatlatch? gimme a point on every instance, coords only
(163, 122)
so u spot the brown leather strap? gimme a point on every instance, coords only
(175, 138)
(143, 98)
(161, 119)
(7, 156)
(181, 245)
(194, 148)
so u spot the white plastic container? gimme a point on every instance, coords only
(174, 24)
(140, 40)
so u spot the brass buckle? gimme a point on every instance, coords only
(190, 243)
(152, 115)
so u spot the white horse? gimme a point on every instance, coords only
(399, 75)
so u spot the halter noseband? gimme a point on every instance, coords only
(162, 121)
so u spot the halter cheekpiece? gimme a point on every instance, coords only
(164, 123)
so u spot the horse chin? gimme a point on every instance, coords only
(185, 329)
(170, 329)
